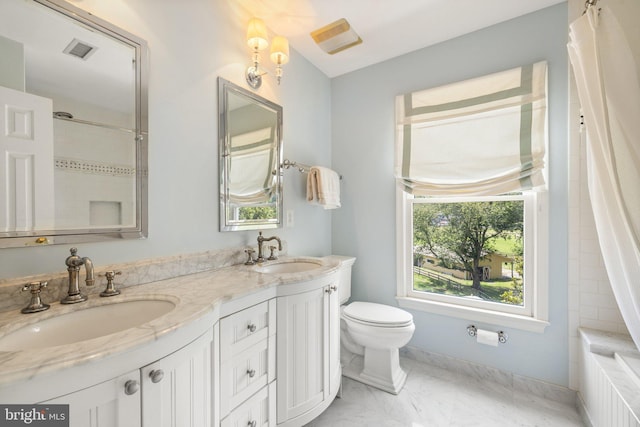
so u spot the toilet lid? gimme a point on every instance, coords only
(379, 314)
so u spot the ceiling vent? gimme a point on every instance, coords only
(80, 49)
(336, 37)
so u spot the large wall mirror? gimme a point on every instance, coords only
(73, 128)
(250, 147)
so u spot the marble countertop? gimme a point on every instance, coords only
(198, 299)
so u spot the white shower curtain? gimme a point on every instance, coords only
(609, 92)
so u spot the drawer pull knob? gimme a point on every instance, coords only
(252, 423)
(131, 387)
(156, 375)
(251, 327)
(331, 289)
(251, 373)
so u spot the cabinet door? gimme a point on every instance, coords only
(177, 388)
(114, 403)
(301, 362)
(335, 370)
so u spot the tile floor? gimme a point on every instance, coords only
(435, 397)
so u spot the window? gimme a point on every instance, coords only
(471, 199)
(480, 258)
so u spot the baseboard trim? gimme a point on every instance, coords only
(487, 373)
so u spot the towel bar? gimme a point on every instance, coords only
(300, 166)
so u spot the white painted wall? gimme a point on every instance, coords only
(11, 64)
(363, 140)
(591, 300)
(190, 46)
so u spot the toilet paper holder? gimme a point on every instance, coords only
(473, 331)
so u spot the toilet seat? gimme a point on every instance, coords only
(368, 313)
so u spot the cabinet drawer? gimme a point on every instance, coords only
(245, 328)
(260, 409)
(246, 373)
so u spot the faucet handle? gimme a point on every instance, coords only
(34, 287)
(110, 289)
(250, 260)
(271, 255)
(35, 305)
(110, 275)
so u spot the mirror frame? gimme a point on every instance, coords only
(86, 235)
(224, 88)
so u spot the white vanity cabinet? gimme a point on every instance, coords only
(175, 390)
(113, 403)
(248, 366)
(266, 354)
(308, 344)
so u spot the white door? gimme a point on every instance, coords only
(26, 162)
(114, 403)
(301, 361)
(177, 388)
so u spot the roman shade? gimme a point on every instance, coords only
(484, 136)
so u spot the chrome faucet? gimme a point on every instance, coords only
(73, 263)
(261, 240)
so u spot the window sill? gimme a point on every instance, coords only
(475, 314)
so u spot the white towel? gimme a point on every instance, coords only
(323, 187)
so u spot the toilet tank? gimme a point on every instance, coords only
(344, 276)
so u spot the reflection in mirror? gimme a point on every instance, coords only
(73, 141)
(250, 138)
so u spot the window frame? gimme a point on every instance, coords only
(532, 317)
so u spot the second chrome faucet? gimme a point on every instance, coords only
(261, 241)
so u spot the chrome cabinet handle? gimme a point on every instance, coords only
(252, 423)
(156, 375)
(251, 327)
(131, 387)
(331, 289)
(251, 372)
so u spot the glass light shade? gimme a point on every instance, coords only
(280, 50)
(257, 34)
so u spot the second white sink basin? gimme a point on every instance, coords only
(85, 324)
(289, 266)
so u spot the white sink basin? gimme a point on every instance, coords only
(85, 324)
(289, 266)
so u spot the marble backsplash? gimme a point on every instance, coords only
(134, 273)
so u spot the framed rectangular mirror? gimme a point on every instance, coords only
(250, 152)
(74, 128)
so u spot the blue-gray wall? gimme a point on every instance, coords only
(362, 108)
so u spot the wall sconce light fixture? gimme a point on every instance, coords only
(257, 40)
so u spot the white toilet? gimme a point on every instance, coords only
(370, 336)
